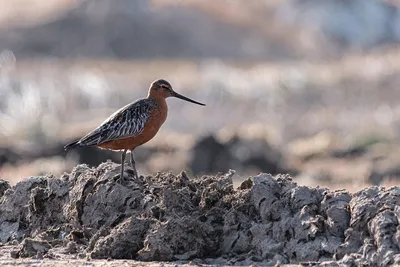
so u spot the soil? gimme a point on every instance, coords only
(91, 214)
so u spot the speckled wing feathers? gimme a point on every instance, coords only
(127, 122)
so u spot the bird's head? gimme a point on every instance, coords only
(163, 89)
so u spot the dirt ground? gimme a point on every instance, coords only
(91, 214)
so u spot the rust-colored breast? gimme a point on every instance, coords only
(157, 118)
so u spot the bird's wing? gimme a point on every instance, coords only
(129, 121)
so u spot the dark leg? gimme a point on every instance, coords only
(133, 163)
(122, 165)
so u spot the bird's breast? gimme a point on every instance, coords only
(157, 117)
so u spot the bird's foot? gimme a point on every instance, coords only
(131, 173)
(129, 177)
(122, 180)
(119, 177)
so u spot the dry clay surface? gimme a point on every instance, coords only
(90, 214)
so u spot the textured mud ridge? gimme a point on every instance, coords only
(90, 214)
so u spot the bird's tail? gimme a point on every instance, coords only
(71, 145)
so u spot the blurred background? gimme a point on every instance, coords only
(306, 87)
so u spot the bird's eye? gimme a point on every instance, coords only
(166, 88)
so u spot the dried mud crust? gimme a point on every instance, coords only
(90, 214)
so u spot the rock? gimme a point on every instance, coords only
(32, 247)
(4, 186)
(14, 208)
(8, 230)
(181, 239)
(373, 225)
(268, 220)
(211, 156)
(124, 241)
(7, 155)
(257, 153)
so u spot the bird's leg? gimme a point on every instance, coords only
(122, 164)
(133, 163)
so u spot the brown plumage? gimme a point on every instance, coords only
(134, 124)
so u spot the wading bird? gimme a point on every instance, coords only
(134, 124)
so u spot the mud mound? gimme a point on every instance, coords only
(267, 220)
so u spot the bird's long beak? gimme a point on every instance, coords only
(175, 94)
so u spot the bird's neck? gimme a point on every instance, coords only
(157, 98)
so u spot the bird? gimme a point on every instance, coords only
(133, 125)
